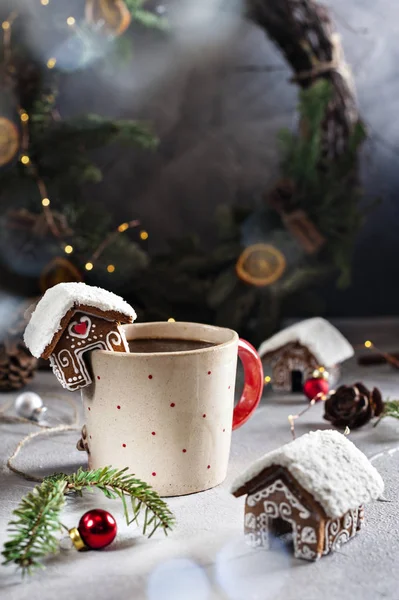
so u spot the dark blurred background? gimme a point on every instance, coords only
(217, 121)
(217, 92)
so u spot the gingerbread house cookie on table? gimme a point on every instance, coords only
(314, 487)
(295, 352)
(72, 319)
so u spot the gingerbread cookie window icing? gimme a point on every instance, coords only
(314, 487)
(72, 319)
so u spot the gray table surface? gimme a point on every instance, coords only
(205, 557)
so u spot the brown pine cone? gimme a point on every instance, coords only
(353, 406)
(17, 365)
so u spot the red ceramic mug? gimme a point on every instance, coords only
(166, 409)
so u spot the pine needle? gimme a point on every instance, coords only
(391, 409)
(33, 533)
(34, 528)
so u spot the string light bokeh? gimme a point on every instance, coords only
(27, 162)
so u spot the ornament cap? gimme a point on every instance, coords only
(320, 373)
(38, 413)
(76, 539)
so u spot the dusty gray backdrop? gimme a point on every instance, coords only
(217, 93)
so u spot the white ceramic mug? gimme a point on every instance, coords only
(168, 416)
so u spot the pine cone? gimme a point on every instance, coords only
(17, 365)
(353, 406)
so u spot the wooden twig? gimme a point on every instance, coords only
(293, 418)
(110, 238)
(45, 430)
(304, 31)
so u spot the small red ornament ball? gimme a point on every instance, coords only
(315, 388)
(97, 528)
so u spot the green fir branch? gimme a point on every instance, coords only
(33, 531)
(325, 189)
(391, 409)
(119, 483)
(146, 17)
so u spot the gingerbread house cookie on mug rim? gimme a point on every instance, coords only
(72, 319)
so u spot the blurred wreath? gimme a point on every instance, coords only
(267, 259)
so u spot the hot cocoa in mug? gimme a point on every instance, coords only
(166, 409)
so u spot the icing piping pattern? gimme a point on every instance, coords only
(65, 359)
(291, 510)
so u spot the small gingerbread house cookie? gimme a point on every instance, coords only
(314, 487)
(72, 319)
(295, 352)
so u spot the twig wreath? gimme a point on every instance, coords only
(304, 227)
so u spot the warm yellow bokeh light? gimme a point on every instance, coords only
(51, 63)
(25, 160)
(46, 202)
(44, 2)
(123, 226)
(321, 369)
(111, 268)
(144, 235)
(68, 249)
(89, 266)
(268, 379)
(368, 344)
(171, 320)
(6, 25)
(24, 117)
(71, 21)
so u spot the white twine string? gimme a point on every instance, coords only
(45, 430)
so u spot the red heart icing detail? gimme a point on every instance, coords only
(80, 328)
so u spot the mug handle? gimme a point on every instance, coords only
(253, 383)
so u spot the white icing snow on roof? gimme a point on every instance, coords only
(327, 465)
(45, 320)
(321, 338)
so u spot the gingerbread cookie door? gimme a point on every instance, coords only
(84, 334)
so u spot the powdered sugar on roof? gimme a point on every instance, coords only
(321, 338)
(327, 465)
(45, 320)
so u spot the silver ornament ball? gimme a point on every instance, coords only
(30, 406)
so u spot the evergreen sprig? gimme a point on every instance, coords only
(34, 530)
(326, 190)
(391, 409)
(145, 17)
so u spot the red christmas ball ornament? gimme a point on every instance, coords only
(97, 529)
(316, 388)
